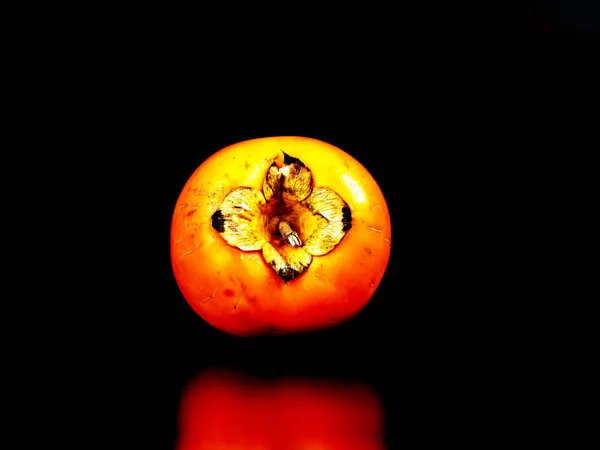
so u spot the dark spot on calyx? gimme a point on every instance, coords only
(287, 274)
(346, 218)
(218, 221)
(289, 160)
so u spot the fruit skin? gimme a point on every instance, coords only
(236, 291)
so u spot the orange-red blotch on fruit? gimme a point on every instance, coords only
(279, 235)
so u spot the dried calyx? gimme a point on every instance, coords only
(290, 220)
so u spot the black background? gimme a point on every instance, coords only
(454, 119)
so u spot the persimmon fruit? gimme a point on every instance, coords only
(279, 235)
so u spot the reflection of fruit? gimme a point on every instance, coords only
(226, 410)
(279, 235)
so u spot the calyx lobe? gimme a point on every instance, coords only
(296, 208)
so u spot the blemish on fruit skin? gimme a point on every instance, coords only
(191, 212)
(228, 292)
(197, 246)
(374, 229)
(249, 298)
(211, 296)
(197, 191)
(369, 252)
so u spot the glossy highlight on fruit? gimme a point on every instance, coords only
(279, 235)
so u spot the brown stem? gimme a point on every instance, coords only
(290, 236)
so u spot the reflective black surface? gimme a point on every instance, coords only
(443, 344)
(407, 347)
